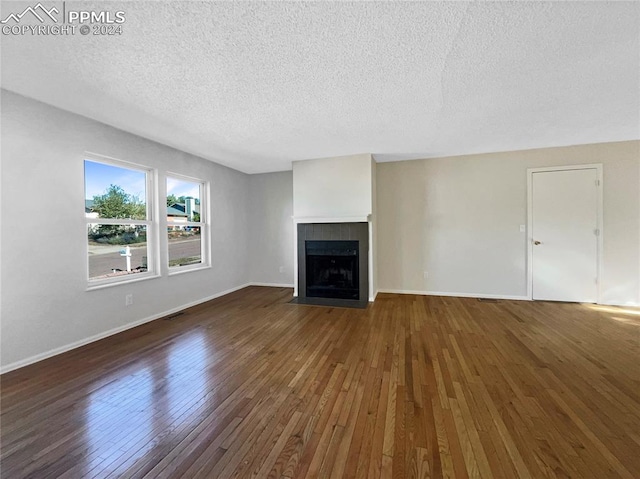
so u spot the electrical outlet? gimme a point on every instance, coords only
(281, 269)
(426, 274)
(128, 300)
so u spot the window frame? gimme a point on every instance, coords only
(151, 223)
(203, 224)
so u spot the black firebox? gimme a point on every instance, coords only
(332, 269)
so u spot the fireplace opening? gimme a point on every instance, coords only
(332, 269)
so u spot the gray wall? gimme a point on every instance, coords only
(271, 211)
(458, 219)
(45, 306)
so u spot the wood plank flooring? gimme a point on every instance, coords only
(250, 386)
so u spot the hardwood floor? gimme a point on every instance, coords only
(251, 386)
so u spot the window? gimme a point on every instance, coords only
(186, 223)
(119, 221)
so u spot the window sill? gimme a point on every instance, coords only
(187, 269)
(109, 284)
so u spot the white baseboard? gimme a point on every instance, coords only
(487, 296)
(272, 285)
(630, 304)
(458, 295)
(119, 329)
(111, 332)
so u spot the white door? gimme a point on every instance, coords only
(564, 234)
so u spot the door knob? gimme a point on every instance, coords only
(537, 243)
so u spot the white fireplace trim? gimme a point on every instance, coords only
(337, 219)
(334, 219)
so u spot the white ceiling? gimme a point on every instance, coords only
(257, 85)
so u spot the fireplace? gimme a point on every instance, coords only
(332, 269)
(333, 263)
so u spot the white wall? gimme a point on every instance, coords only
(333, 187)
(271, 208)
(458, 219)
(45, 305)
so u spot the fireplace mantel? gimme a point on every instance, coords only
(334, 219)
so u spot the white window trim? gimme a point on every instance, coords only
(204, 225)
(151, 223)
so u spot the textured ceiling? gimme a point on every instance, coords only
(257, 85)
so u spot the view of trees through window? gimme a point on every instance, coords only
(117, 220)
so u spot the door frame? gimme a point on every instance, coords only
(599, 226)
